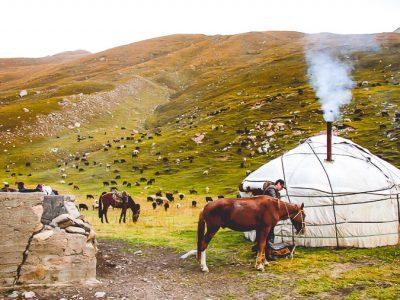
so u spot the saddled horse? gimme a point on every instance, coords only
(109, 199)
(259, 213)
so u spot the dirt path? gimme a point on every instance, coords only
(156, 273)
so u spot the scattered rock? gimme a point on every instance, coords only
(23, 93)
(100, 294)
(14, 294)
(74, 229)
(28, 295)
(25, 110)
(139, 252)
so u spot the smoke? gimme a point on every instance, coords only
(329, 63)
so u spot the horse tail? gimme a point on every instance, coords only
(101, 206)
(201, 226)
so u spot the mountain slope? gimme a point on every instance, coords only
(240, 97)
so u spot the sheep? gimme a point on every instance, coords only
(166, 206)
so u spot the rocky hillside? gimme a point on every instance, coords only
(189, 111)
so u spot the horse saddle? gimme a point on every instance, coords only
(281, 250)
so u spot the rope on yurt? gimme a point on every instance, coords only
(287, 194)
(398, 208)
(333, 197)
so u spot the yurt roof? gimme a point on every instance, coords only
(354, 169)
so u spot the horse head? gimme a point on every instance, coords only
(135, 209)
(298, 220)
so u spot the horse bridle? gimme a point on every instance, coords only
(303, 224)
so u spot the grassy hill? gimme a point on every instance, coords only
(200, 111)
(233, 89)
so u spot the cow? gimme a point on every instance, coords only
(89, 196)
(118, 177)
(106, 183)
(113, 182)
(76, 187)
(150, 198)
(192, 192)
(128, 184)
(159, 194)
(209, 199)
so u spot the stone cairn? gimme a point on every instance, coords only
(44, 240)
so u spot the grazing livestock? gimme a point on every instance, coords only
(76, 187)
(81, 169)
(124, 182)
(194, 203)
(256, 213)
(106, 183)
(159, 201)
(83, 206)
(128, 184)
(154, 204)
(142, 179)
(27, 164)
(89, 196)
(209, 199)
(108, 199)
(220, 196)
(95, 204)
(192, 192)
(150, 198)
(159, 194)
(70, 183)
(166, 206)
(118, 177)
(181, 196)
(169, 196)
(113, 182)
(137, 183)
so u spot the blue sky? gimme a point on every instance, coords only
(34, 28)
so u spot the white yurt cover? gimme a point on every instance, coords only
(350, 202)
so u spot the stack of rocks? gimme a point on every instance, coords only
(45, 240)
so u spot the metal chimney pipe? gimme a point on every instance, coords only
(328, 141)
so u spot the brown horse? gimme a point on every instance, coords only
(108, 199)
(259, 213)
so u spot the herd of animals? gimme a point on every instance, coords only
(157, 200)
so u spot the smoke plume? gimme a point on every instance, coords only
(329, 63)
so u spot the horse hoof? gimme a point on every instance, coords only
(260, 267)
(205, 269)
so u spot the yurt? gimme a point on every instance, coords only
(351, 200)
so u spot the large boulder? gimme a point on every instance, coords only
(20, 220)
(56, 256)
(44, 240)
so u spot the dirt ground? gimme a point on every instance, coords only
(156, 273)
